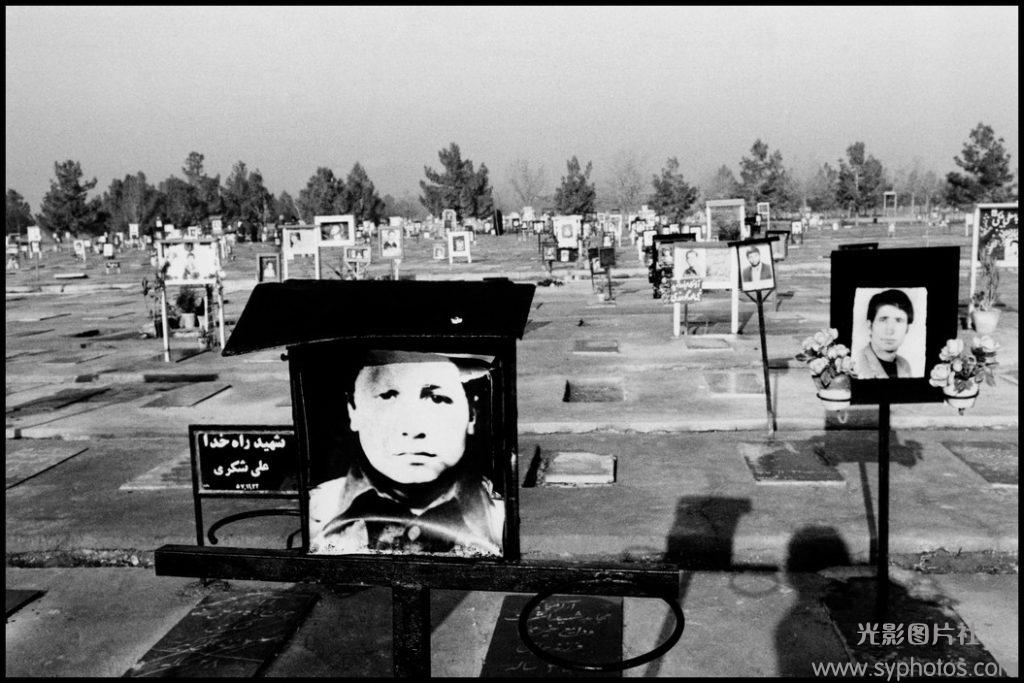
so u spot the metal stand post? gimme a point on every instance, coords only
(882, 589)
(163, 318)
(410, 629)
(773, 425)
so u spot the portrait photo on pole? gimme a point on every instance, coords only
(754, 263)
(390, 243)
(189, 261)
(336, 231)
(895, 309)
(298, 242)
(268, 268)
(405, 455)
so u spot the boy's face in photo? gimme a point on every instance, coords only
(412, 419)
(889, 328)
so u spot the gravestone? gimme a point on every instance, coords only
(995, 462)
(188, 396)
(734, 383)
(786, 463)
(26, 460)
(578, 468)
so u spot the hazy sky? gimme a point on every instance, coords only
(288, 89)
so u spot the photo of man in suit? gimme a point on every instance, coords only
(889, 317)
(755, 270)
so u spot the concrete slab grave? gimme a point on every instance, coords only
(996, 463)
(187, 396)
(29, 458)
(595, 346)
(581, 628)
(695, 343)
(14, 600)
(784, 462)
(229, 634)
(592, 392)
(575, 468)
(734, 383)
(61, 399)
(175, 473)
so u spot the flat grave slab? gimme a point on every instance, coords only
(187, 396)
(534, 325)
(229, 634)
(734, 383)
(995, 462)
(592, 392)
(11, 355)
(698, 343)
(15, 599)
(178, 355)
(100, 318)
(70, 276)
(573, 468)
(175, 473)
(595, 346)
(74, 359)
(25, 459)
(788, 463)
(581, 628)
(61, 399)
(38, 317)
(119, 336)
(31, 333)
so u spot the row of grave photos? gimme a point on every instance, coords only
(404, 392)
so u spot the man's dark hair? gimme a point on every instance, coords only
(891, 297)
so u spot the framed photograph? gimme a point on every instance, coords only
(193, 231)
(550, 252)
(407, 453)
(439, 251)
(781, 249)
(336, 231)
(754, 264)
(268, 268)
(391, 242)
(449, 219)
(79, 248)
(458, 245)
(567, 230)
(189, 261)
(538, 227)
(648, 237)
(712, 262)
(895, 309)
(296, 241)
(567, 254)
(357, 254)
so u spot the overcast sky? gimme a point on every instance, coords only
(288, 89)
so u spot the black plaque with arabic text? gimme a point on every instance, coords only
(244, 460)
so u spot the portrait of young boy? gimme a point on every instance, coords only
(415, 471)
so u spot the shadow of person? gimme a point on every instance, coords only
(804, 636)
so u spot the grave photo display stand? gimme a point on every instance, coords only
(356, 352)
(190, 262)
(894, 309)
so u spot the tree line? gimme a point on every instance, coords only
(855, 184)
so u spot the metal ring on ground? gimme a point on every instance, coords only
(524, 634)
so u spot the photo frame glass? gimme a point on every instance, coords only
(336, 231)
(406, 454)
(188, 261)
(298, 242)
(268, 268)
(458, 243)
(755, 265)
(391, 243)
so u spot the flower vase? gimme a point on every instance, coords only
(961, 400)
(985, 322)
(836, 395)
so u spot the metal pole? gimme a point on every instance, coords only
(882, 590)
(163, 317)
(220, 314)
(410, 630)
(772, 424)
(675, 319)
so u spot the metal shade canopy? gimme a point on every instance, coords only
(306, 311)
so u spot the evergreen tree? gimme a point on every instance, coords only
(763, 178)
(576, 194)
(323, 195)
(65, 206)
(179, 203)
(861, 180)
(672, 196)
(244, 196)
(207, 188)
(285, 209)
(17, 213)
(820, 191)
(132, 200)
(360, 197)
(987, 176)
(458, 187)
(722, 185)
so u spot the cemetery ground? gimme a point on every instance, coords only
(98, 476)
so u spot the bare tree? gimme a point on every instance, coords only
(527, 182)
(625, 186)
